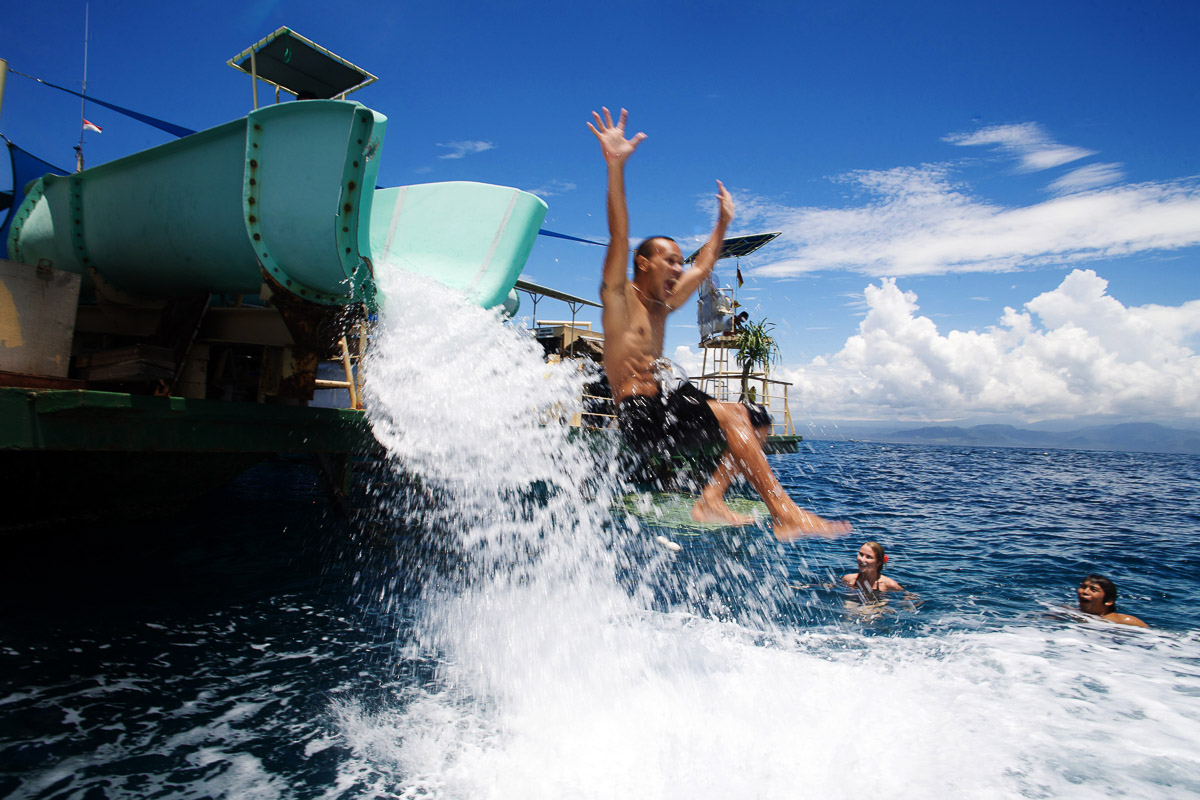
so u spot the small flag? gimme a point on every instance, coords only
(739, 274)
(91, 126)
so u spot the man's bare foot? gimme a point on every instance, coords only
(718, 512)
(806, 524)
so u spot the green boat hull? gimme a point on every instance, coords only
(84, 420)
(70, 456)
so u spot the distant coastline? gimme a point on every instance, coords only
(1136, 437)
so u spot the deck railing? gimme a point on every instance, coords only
(726, 386)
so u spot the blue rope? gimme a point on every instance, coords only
(544, 232)
(162, 125)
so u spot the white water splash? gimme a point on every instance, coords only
(556, 682)
(469, 407)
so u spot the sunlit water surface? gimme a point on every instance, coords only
(501, 627)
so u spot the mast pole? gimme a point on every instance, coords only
(3, 78)
(83, 92)
(737, 271)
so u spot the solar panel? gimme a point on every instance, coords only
(739, 246)
(300, 66)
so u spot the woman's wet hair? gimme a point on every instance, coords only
(646, 248)
(880, 556)
(1107, 586)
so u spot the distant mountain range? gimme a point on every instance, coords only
(1138, 437)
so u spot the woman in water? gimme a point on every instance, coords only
(870, 577)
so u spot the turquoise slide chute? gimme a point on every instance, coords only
(470, 236)
(286, 192)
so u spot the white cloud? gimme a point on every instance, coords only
(688, 359)
(1071, 351)
(920, 222)
(460, 149)
(553, 189)
(1035, 149)
(1087, 178)
(925, 220)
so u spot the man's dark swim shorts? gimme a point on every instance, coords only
(677, 421)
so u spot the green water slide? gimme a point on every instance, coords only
(471, 236)
(286, 192)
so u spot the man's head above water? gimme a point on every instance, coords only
(657, 266)
(1097, 595)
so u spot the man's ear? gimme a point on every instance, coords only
(637, 262)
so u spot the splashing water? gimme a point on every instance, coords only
(557, 674)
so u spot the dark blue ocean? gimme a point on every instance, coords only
(256, 645)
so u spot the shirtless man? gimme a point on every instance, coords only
(1098, 595)
(634, 318)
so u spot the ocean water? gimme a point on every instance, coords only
(499, 625)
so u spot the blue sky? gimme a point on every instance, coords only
(988, 212)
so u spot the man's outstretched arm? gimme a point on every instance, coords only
(703, 265)
(617, 149)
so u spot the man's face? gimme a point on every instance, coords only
(662, 269)
(1091, 598)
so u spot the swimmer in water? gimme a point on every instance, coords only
(1098, 595)
(635, 317)
(870, 577)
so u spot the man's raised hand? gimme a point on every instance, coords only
(612, 137)
(724, 204)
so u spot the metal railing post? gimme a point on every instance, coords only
(254, 77)
(3, 78)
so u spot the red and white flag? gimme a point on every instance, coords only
(91, 126)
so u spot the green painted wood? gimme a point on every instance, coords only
(82, 420)
(782, 443)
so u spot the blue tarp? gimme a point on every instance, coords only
(162, 125)
(26, 167)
